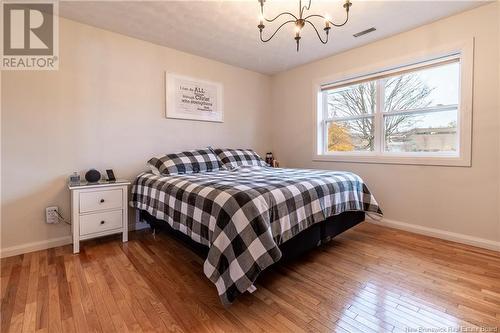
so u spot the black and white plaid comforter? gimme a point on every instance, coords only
(242, 215)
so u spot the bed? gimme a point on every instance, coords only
(250, 217)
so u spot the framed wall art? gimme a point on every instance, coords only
(193, 99)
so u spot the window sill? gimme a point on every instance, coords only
(399, 159)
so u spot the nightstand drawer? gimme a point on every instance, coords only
(94, 223)
(100, 200)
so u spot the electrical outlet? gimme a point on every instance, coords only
(51, 214)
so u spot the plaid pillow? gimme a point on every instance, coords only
(186, 162)
(232, 158)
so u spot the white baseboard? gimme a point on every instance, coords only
(447, 235)
(438, 233)
(49, 243)
(35, 246)
(138, 226)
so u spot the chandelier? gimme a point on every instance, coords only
(301, 21)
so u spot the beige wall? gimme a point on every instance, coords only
(105, 108)
(453, 199)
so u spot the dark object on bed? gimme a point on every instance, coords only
(301, 243)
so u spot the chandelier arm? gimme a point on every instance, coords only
(317, 33)
(284, 13)
(268, 39)
(332, 23)
(302, 8)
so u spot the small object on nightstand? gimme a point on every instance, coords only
(93, 176)
(98, 209)
(270, 158)
(111, 175)
(74, 179)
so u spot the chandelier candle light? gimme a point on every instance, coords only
(301, 21)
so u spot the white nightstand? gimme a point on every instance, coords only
(98, 209)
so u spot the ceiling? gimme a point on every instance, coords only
(227, 30)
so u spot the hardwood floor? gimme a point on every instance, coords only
(369, 279)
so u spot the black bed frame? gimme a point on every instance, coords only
(301, 243)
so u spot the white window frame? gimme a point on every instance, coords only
(463, 51)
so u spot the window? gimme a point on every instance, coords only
(410, 115)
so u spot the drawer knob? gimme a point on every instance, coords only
(102, 222)
(101, 201)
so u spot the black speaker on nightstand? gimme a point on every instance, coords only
(93, 176)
